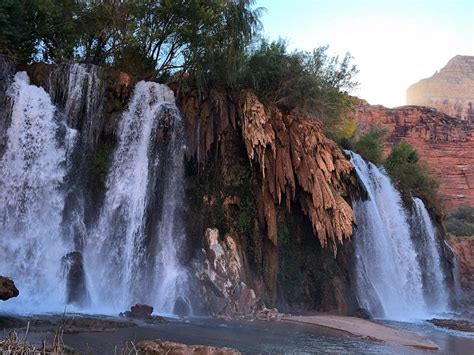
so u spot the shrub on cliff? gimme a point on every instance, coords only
(311, 82)
(461, 221)
(411, 176)
(369, 145)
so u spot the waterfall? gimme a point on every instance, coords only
(388, 274)
(78, 92)
(133, 253)
(32, 170)
(429, 254)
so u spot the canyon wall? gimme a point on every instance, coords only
(451, 90)
(445, 143)
(275, 185)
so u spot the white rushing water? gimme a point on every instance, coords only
(132, 256)
(389, 277)
(31, 202)
(429, 254)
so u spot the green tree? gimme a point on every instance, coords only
(461, 221)
(312, 82)
(370, 146)
(410, 175)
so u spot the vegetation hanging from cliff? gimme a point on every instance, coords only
(369, 144)
(410, 175)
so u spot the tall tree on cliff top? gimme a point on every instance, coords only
(148, 38)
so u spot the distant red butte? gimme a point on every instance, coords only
(444, 143)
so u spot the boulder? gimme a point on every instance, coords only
(139, 311)
(151, 347)
(7, 289)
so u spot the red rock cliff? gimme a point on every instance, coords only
(451, 90)
(445, 143)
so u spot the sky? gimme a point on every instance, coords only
(394, 43)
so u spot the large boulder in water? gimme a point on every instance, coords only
(73, 265)
(7, 289)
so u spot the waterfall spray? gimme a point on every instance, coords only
(31, 202)
(134, 249)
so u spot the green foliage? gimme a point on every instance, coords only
(370, 146)
(411, 177)
(313, 82)
(205, 38)
(461, 222)
(100, 163)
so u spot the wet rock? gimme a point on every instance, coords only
(139, 311)
(222, 287)
(10, 322)
(182, 307)
(7, 289)
(151, 347)
(455, 324)
(75, 325)
(73, 266)
(362, 313)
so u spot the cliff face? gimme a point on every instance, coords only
(445, 143)
(275, 185)
(451, 90)
(464, 248)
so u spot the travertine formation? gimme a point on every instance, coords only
(451, 90)
(445, 143)
(294, 155)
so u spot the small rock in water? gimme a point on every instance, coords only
(140, 311)
(7, 289)
(182, 307)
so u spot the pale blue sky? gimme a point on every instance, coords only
(395, 43)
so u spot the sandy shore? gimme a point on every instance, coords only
(365, 329)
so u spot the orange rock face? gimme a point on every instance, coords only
(294, 154)
(464, 249)
(445, 144)
(451, 90)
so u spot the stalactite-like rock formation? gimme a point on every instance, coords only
(298, 162)
(275, 182)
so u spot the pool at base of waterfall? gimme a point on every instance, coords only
(109, 335)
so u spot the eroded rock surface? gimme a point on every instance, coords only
(152, 347)
(298, 162)
(443, 142)
(220, 274)
(464, 248)
(451, 90)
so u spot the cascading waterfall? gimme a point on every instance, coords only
(32, 170)
(429, 254)
(78, 93)
(389, 277)
(134, 250)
